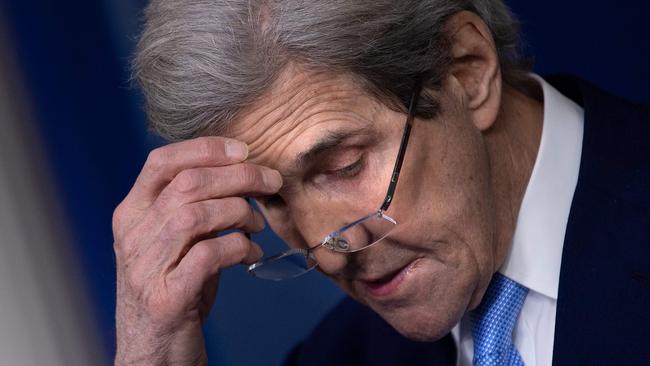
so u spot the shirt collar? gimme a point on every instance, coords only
(536, 251)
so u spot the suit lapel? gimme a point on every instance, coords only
(603, 299)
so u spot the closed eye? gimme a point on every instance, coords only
(328, 176)
(339, 177)
(347, 171)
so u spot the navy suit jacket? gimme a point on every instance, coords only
(603, 306)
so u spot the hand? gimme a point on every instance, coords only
(168, 258)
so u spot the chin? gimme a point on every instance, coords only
(421, 324)
(424, 300)
(431, 301)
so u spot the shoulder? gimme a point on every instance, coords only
(616, 148)
(605, 271)
(352, 334)
(609, 223)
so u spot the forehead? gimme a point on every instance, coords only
(300, 109)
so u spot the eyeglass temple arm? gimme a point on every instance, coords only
(403, 144)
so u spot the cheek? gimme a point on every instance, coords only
(448, 198)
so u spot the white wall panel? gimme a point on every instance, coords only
(44, 314)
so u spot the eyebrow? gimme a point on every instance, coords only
(327, 143)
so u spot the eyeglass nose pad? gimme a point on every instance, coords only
(337, 243)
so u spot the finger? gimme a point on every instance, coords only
(164, 163)
(199, 184)
(200, 219)
(206, 258)
(254, 255)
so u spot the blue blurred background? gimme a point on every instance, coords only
(71, 58)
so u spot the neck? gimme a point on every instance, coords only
(512, 144)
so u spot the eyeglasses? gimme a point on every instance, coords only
(353, 237)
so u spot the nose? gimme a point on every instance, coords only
(340, 249)
(329, 261)
(309, 222)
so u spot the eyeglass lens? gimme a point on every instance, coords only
(351, 238)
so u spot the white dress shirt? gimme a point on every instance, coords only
(536, 251)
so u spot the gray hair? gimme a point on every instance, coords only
(200, 62)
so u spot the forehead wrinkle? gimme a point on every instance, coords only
(294, 163)
(260, 139)
(293, 100)
(300, 111)
(287, 120)
(314, 105)
(277, 119)
(291, 132)
(299, 90)
(329, 114)
(285, 104)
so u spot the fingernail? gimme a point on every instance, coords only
(259, 252)
(272, 178)
(236, 150)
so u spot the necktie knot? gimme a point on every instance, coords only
(494, 320)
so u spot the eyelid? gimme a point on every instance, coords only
(342, 159)
(348, 167)
(347, 172)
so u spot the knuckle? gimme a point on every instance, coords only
(186, 181)
(237, 245)
(156, 159)
(167, 200)
(187, 218)
(118, 214)
(249, 176)
(207, 150)
(118, 248)
(122, 247)
(239, 241)
(119, 211)
(203, 253)
(242, 211)
(236, 207)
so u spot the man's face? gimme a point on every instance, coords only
(439, 258)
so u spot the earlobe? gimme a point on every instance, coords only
(475, 66)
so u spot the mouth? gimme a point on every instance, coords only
(388, 284)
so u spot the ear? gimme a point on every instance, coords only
(475, 67)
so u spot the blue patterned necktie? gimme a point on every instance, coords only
(494, 321)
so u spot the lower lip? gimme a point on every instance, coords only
(390, 287)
